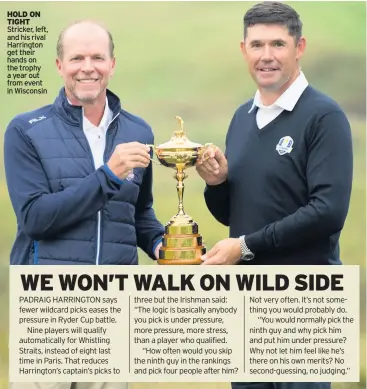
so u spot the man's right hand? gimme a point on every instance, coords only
(128, 156)
(213, 168)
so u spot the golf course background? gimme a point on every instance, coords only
(177, 58)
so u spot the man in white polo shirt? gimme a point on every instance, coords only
(80, 176)
(283, 184)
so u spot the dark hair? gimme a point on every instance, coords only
(272, 12)
(59, 45)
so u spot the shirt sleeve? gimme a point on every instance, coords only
(329, 176)
(149, 230)
(40, 213)
(217, 197)
(217, 200)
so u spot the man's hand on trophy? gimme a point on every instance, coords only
(128, 156)
(225, 252)
(212, 166)
(156, 251)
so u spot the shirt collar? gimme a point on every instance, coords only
(288, 99)
(106, 118)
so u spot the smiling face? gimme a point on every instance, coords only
(272, 56)
(86, 64)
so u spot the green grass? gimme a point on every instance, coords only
(177, 58)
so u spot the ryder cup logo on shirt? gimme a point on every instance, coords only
(285, 145)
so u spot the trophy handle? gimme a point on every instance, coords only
(202, 150)
(153, 160)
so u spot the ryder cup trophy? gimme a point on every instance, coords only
(182, 244)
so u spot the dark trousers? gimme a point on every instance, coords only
(281, 385)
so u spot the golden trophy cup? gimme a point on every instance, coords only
(182, 244)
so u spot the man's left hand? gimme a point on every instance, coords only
(225, 252)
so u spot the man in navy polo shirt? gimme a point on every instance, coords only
(283, 184)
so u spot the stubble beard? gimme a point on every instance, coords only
(89, 98)
(276, 86)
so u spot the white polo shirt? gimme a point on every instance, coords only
(96, 135)
(287, 101)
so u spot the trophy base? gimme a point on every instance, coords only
(182, 244)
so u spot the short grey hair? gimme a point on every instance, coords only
(60, 47)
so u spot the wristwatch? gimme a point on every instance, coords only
(246, 253)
